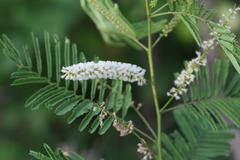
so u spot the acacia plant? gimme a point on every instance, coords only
(101, 91)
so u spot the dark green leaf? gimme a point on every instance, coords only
(15, 75)
(57, 59)
(86, 120)
(29, 80)
(93, 88)
(48, 54)
(37, 53)
(67, 58)
(50, 152)
(67, 106)
(94, 126)
(59, 99)
(106, 125)
(192, 26)
(127, 100)
(82, 108)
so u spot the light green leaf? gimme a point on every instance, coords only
(113, 26)
(141, 28)
(192, 26)
(232, 59)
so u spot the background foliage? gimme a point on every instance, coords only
(21, 129)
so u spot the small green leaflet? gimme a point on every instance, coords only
(227, 40)
(192, 26)
(54, 155)
(153, 3)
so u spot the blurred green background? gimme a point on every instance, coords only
(22, 129)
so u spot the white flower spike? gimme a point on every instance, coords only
(105, 70)
(187, 75)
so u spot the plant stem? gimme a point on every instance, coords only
(166, 104)
(157, 40)
(171, 109)
(153, 83)
(144, 121)
(142, 46)
(181, 13)
(144, 134)
(159, 9)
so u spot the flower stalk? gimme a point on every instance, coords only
(152, 76)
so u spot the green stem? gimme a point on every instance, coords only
(144, 134)
(166, 104)
(183, 13)
(144, 121)
(153, 83)
(137, 135)
(157, 40)
(171, 109)
(141, 45)
(159, 9)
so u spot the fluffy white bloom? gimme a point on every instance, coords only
(105, 70)
(209, 44)
(144, 150)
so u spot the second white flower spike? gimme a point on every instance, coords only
(105, 70)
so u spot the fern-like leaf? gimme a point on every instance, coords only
(213, 96)
(65, 98)
(55, 155)
(228, 42)
(193, 142)
(190, 11)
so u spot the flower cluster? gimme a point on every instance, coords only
(105, 70)
(228, 17)
(187, 75)
(124, 129)
(103, 114)
(144, 150)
